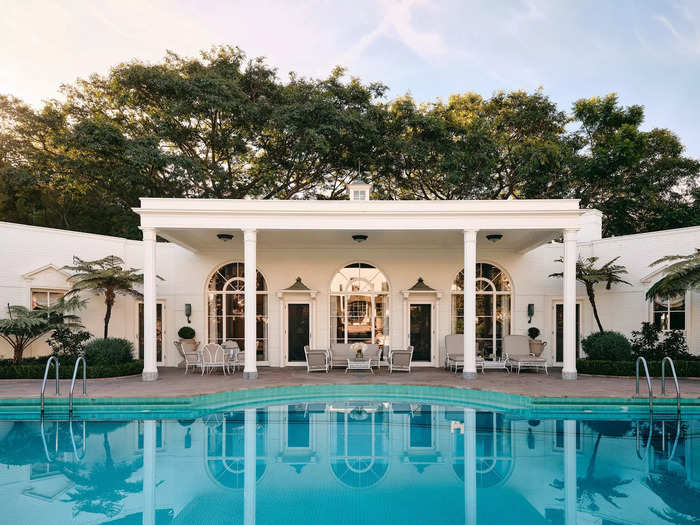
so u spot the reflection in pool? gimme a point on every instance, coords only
(351, 462)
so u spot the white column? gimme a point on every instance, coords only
(149, 472)
(150, 370)
(469, 304)
(570, 471)
(250, 467)
(250, 370)
(469, 466)
(570, 258)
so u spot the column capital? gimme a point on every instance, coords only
(250, 234)
(149, 234)
(570, 234)
(470, 235)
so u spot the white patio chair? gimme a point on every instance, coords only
(192, 359)
(400, 360)
(213, 357)
(233, 354)
(316, 360)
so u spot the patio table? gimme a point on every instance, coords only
(359, 364)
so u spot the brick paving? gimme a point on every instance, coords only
(173, 383)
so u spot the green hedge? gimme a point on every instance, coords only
(36, 371)
(627, 368)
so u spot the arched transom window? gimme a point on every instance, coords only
(359, 305)
(225, 305)
(493, 305)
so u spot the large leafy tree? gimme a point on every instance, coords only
(108, 277)
(640, 180)
(681, 274)
(589, 275)
(24, 326)
(222, 125)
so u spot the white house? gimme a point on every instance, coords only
(388, 272)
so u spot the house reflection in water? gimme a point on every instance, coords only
(347, 462)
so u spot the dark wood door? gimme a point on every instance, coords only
(421, 331)
(559, 331)
(297, 330)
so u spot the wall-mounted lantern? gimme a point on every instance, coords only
(188, 311)
(530, 312)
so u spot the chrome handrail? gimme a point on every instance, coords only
(53, 359)
(647, 446)
(49, 459)
(646, 371)
(675, 380)
(72, 438)
(72, 384)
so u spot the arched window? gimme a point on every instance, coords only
(494, 449)
(359, 305)
(225, 439)
(225, 305)
(493, 305)
(359, 446)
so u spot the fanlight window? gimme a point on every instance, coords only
(493, 306)
(360, 447)
(359, 305)
(225, 437)
(494, 449)
(225, 305)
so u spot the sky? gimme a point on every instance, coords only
(647, 51)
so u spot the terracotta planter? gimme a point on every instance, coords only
(537, 347)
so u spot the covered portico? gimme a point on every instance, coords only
(519, 225)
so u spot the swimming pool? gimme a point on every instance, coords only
(390, 459)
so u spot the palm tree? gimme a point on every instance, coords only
(682, 500)
(23, 325)
(101, 489)
(587, 273)
(683, 274)
(589, 487)
(107, 276)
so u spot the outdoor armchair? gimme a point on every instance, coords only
(400, 360)
(316, 360)
(192, 359)
(517, 351)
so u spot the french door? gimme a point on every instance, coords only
(159, 332)
(298, 330)
(559, 331)
(420, 330)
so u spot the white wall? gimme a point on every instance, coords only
(186, 274)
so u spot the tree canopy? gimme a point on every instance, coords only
(222, 125)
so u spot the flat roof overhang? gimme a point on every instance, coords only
(193, 223)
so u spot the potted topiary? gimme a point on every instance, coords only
(536, 346)
(186, 335)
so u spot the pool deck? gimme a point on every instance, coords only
(173, 383)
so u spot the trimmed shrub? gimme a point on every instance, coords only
(65, 371)
(186, 332)
(110, 351)
(607, 346)
(533, 332)
(627, 368)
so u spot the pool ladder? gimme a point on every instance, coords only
(663, 381)
(54, 360)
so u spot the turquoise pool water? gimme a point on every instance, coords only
(352, 461)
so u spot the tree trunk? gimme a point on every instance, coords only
(109, 301)
(17, 358)
(591, 299)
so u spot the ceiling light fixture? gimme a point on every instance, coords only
(359, 238)
(224, 236)
(494, 237)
